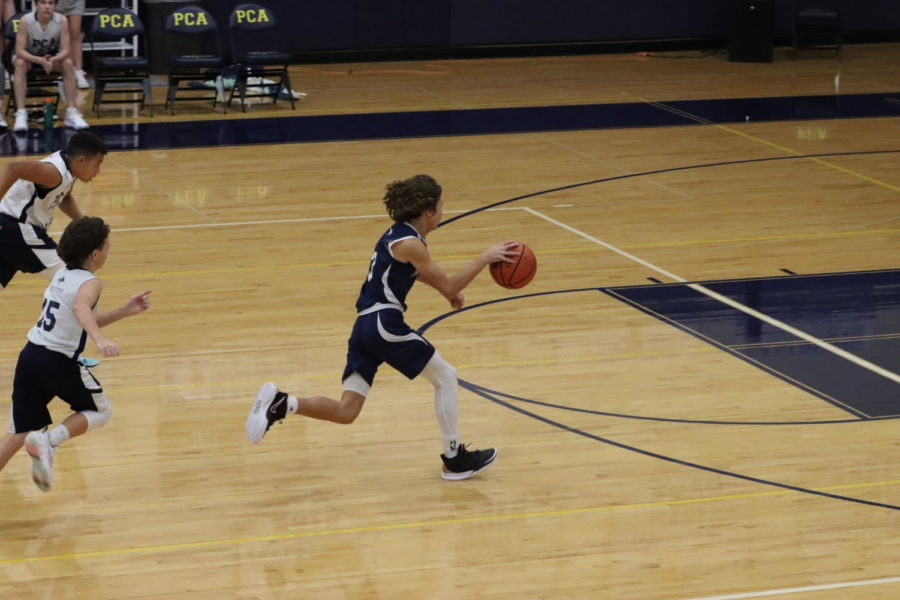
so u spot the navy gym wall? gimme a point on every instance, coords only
(358, 25)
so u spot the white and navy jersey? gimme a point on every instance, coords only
(389, 280)
(42, 41)
(58, 329)
(28, 202)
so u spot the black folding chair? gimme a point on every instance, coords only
(261, 63)
(123, 74)
(194, 55)
(817, 24)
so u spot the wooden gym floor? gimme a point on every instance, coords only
(694, 399)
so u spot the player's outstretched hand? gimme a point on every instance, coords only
(502, 252)
(138, 303)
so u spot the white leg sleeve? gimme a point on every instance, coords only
(443, 377)
(356, 383)
(52, 261)
(12, 425)
(98, 418)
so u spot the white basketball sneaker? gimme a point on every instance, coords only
(74, 119)
(21, 124)
(37, 444)
(81, 80)
(270, 407)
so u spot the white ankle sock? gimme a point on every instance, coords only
(58, 435)
(292, 405)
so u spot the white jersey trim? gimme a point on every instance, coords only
(391, 337)
(390, 246)
(377, 307)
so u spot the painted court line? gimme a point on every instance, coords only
(280, 221)
(743, 134)
(800, 590)
(363, 529)
(728, 301)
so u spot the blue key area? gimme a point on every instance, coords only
(857, 312)
(370, 126)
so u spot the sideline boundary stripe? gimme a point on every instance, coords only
(799, 590)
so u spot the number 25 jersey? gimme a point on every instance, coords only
(58, 329)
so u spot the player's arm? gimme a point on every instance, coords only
(414, 251)
(41, 173)
(135, 305)
(87, 297)
(69, 207)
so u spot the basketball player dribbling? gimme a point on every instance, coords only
(380, 333)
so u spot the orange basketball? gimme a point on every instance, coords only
(518, 273)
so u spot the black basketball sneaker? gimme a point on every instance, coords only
(467, 462)
(269, 408)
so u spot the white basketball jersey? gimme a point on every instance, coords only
(42, 41)
(57, 329)
(31, 203)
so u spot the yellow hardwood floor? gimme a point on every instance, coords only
(255, 255)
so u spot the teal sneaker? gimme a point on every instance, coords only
(90, 363)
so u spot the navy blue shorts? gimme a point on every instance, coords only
(383, 336)
(31, 255)
(42, 375)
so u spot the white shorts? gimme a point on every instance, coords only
(70, 7)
